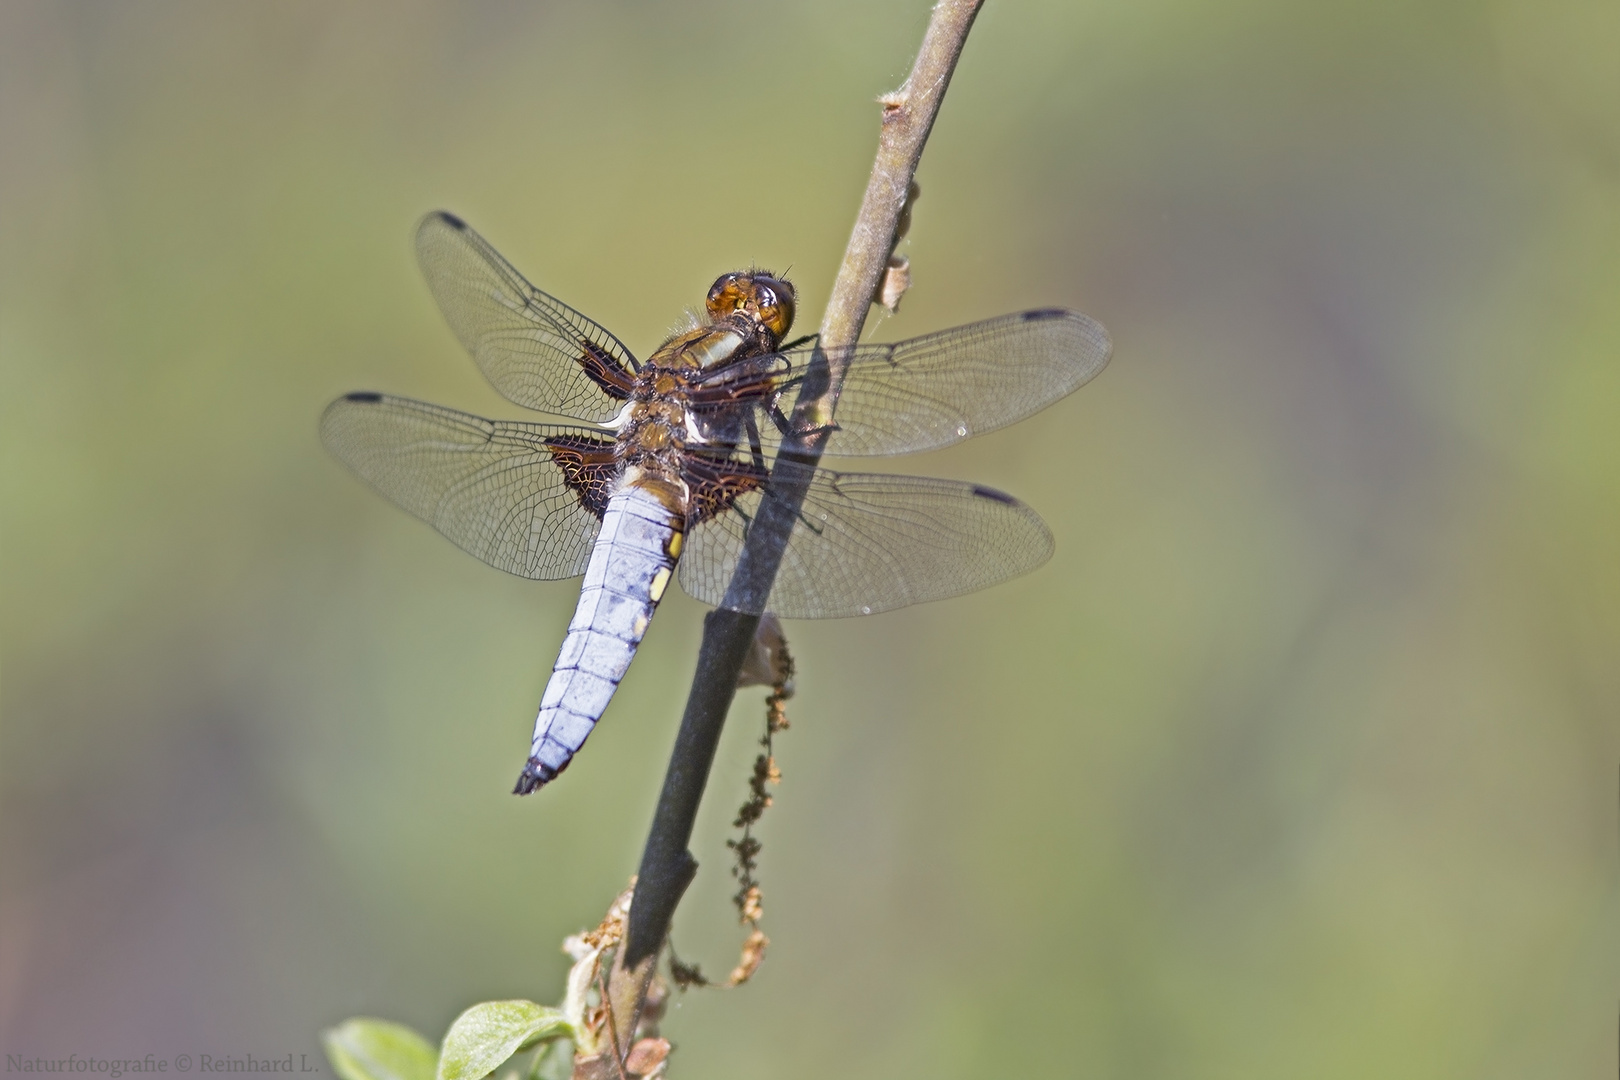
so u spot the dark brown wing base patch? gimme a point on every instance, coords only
(716, 483)
(750, 387)
(588, 467)
(604, 371)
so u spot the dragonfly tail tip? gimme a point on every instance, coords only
(535, 775)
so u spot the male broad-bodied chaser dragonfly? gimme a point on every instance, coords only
(665, 463)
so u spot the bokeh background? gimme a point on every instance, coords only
(1299, 759)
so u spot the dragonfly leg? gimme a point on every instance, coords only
(754, 446)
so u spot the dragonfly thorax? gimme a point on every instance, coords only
(704, 347)
(655, 426)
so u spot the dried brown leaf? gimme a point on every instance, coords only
(753, 954)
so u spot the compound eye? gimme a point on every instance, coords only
(776, 310)
(722, 295)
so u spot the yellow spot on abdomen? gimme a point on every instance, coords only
(660, 582)
(673, 547)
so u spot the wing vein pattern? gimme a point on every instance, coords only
(938, 389)
(531, 346)
(867, 542)
(492, 487)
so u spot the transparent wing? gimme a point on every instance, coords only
(941, 388)
(536, 350)
(866, 543)
(496, 489)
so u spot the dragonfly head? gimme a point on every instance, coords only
(754, 299)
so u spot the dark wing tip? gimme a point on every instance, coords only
(991, 493)
(450, 219)
(1089, 339)
(368, 396)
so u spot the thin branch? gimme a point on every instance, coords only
(667, 867)
(613, 1027)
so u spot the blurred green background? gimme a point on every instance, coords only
(1299, 759)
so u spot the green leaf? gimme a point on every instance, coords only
(489, 1033)
(364, 1049)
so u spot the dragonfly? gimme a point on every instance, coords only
(657, 469)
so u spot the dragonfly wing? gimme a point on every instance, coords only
(524, 498)
(536, 350)
(941, 388)
(865, 543)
